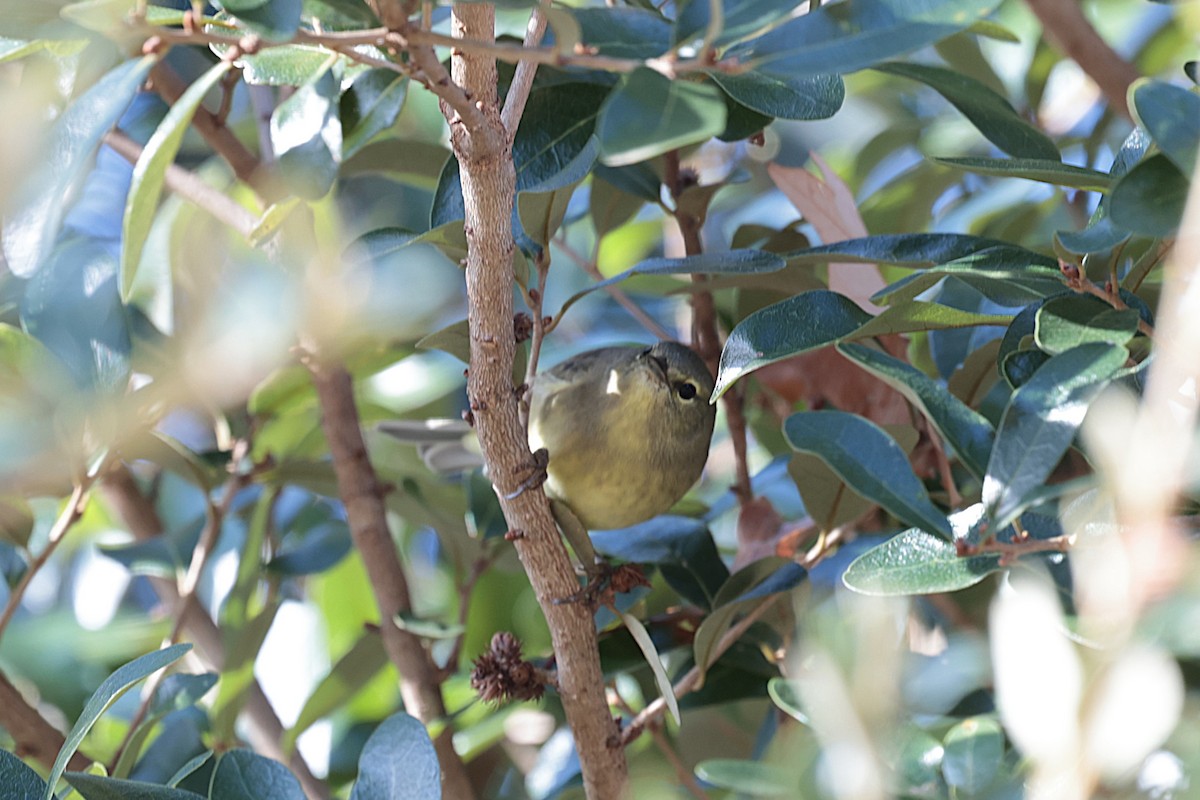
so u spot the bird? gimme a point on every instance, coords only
(626, 432)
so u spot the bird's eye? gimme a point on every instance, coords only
(685, 390)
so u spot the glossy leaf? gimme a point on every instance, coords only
(1040, 422)
(398, 763)
(974, 751)
(97, 787)
(916, 562)
(624, 32)
(1072, 320)
(245, 775)
(649, 114)
(967, 431)
(105, 695)
(799, 324)
(541, 208)
(870, 461)
(370, 106)
(1150, 198)
(786, 695)
(32, 220)
(783, 96)
(149, 172)
(988, 111)
(306, 134)
(916, 250)
(828, 499)
(289, 65)
(847, 37)
(908, 316)
(1171, 114)
(1007, 276)
(1034, 169)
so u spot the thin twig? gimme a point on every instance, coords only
(66, 518)
(1077, 280)
(478, 569)
(522, 82)
(189, 186)
(535, 300)
(1009, 552)
(615, 292)
(685, 775)
(943, 463)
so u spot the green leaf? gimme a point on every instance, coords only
(1039, 424)
(541, 208)
(681, 547)
(624, 32)
(105, 695)
(14, 49)
(786, 695)
(370, 106)
(799, 324)
(18, 779)
(398, 762)
(739, 19)
(827, 498)
(32, 220)
(748, 777)
(244, 775)
(915, 759)
(649, 114)
(149, 173)
(610, 207)
(988, 111)
(642, 637)
(908, 316)
(97, 787)
(289, 65)
(967, 431)
(1149, 199)
(276, 20)
(915, 562)
(555, 131)
(1171, 115)
(974, 751)
(1069, 321)
(783, 96)
(916, 250)
(306, 134)
(846, 37)
(870, 461)
(1034, 169)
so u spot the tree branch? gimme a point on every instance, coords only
(488, 180)
(362, 494)
(34, 737)
(522, 82)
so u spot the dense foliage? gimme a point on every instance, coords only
(944, 546)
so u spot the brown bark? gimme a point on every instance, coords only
(362, 495)
(484, 154)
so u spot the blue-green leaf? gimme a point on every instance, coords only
(370, 106)
(32, 221)
(109, 690)
(1043, 170)
(845, 37)
(306, 133)
(974, 751)
(988, 111)
(244, 775)
(784, 96)
(98, 787)
(681, 547)
(967, 431)
(1171, 114)
(1149, 199)
(1039, 424)
(649, 114)
(799, 324)
(398, 762)
(1071, 320)
(18, 779)
(870, 461)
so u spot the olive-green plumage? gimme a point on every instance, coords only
(627, 430)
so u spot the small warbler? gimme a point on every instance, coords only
(627, 430)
